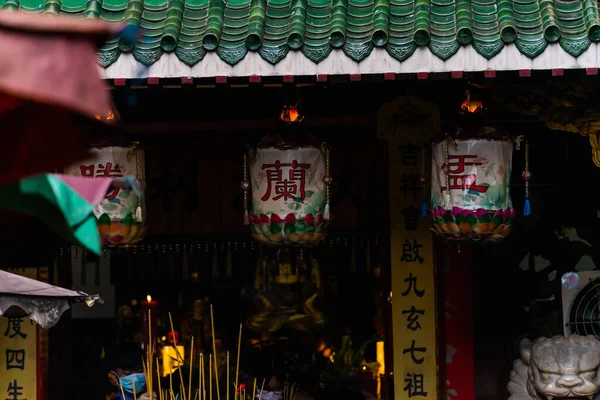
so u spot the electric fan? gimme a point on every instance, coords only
(581, 303)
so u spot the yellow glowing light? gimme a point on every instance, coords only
(149, 298)
(364, 367)
(380, 355)
(164, 338)
(172, 359)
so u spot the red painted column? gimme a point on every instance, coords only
(455, 320)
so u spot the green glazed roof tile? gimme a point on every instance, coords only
(234, 31)
(273, 28)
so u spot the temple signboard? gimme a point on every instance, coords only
(412, 263)
(23, 351)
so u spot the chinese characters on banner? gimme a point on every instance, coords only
(23, 351)
(413, 304)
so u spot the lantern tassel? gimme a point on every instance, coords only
(527, 208)
(526, 176)
(424, 209)
(246, 217)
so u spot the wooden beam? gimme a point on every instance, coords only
(232, 125)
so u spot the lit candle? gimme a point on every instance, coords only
(149, 317)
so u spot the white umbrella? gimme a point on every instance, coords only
(40, 301)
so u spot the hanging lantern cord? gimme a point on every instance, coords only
(327, 180)
(526, 176)
(138, 175)
(245, 187)
(423, 181)
(447, 173)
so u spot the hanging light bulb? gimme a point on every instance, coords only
(111, 116)
(471, 105)
(290, 114)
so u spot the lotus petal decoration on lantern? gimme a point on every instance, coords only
(289, 189)
(121, 215)
(477, 169)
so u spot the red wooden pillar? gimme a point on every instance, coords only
(455, 321)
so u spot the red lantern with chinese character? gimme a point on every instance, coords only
(121, 216)
(289, 193)
(470, 188)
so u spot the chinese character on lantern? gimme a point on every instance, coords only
(457, 179)
(290, 185)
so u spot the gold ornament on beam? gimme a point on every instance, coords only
(562, 106)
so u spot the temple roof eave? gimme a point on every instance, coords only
(337, 63)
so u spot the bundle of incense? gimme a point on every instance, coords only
(182, 393)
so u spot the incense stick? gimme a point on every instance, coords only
(210, 376)
(212, 324)
(191, 369)
(134, 391)
(200, 359)
(122, 391)
(179, 356)
(254, 390)
(261, 389)
(159, 384)
(171, 377)
(203, 379)
(237, 367)
(227, 395)
(149, 354)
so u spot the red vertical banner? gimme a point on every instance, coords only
(456, 295)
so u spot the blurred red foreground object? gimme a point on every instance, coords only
(50, 90)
